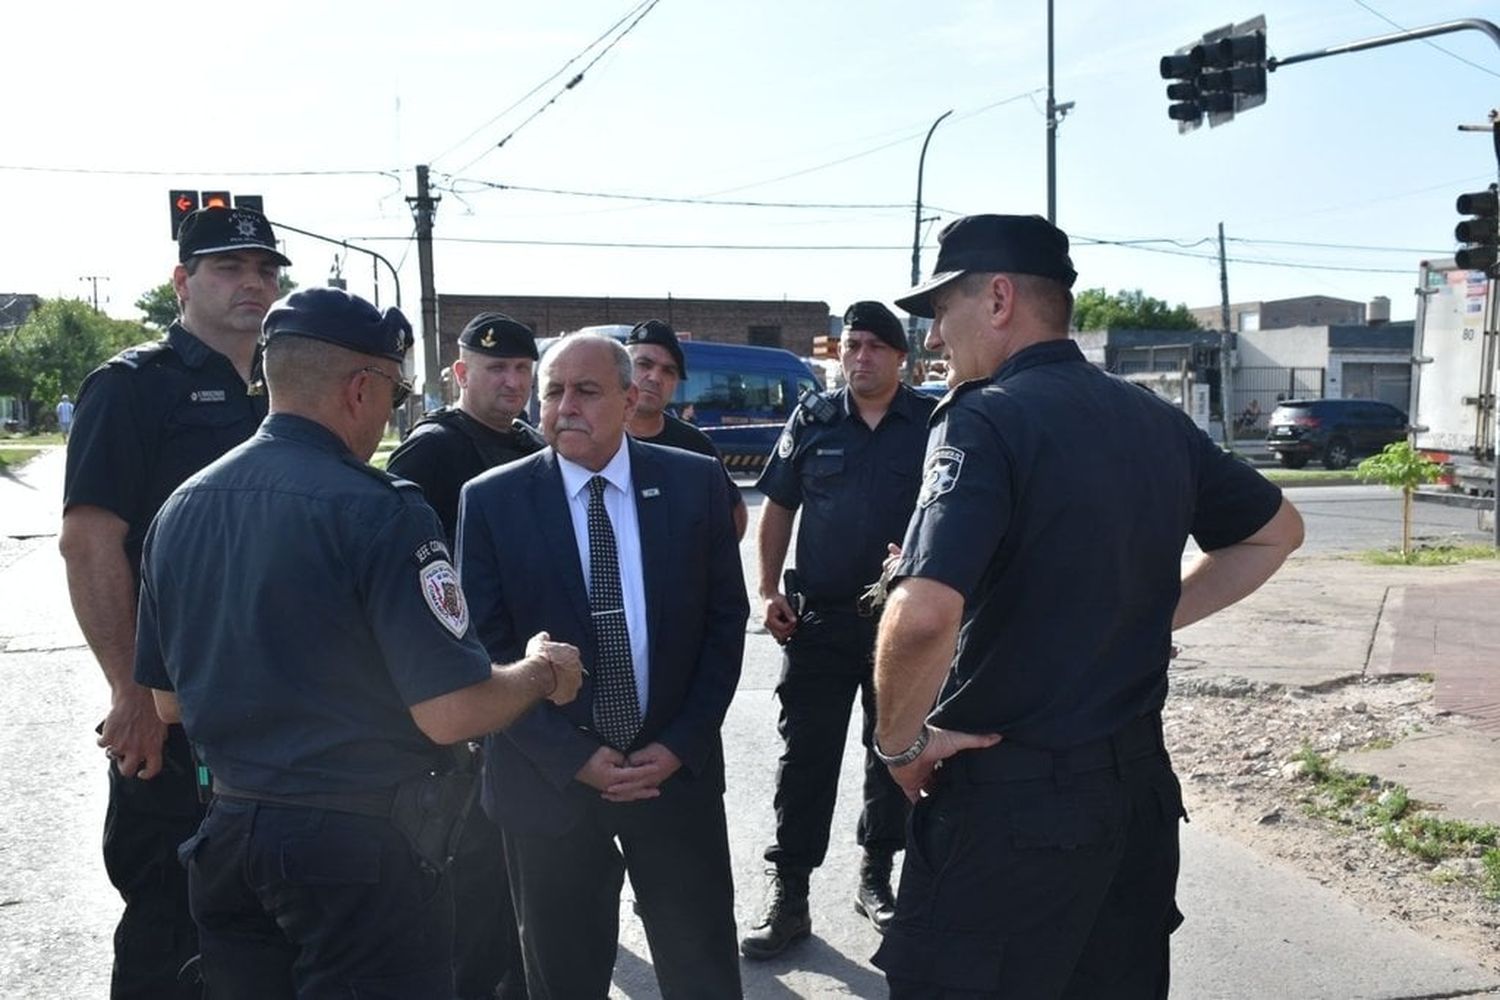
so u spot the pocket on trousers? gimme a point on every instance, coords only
(934, 829)
(331, 861)
(953, 960)
(1067, 822)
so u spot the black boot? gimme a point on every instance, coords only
(786, 919)
(874, 899)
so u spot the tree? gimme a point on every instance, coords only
(159, 305)
(59, 344)
(1401, 467)
(1095, 309)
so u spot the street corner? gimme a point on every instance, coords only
(1451, 768)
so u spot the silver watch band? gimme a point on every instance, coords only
(906, 756)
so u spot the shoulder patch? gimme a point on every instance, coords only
(140, 354)
(940, 474)
(445, 598)
(785, 444)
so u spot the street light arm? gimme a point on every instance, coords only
(1413, 34)
(347, 246)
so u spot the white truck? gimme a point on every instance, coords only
(1455, 352)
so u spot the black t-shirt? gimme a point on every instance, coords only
(1058, 499)
(856, 488)
(447, 448)
(149, 418)
(299, 602)
(676, 433)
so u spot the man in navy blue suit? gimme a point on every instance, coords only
(626, 550)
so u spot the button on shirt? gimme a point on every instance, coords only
(855, 486)
(619, 504)
(1057, 499)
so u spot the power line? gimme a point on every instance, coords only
(532, 92)
(1264, 262)
(666, 200)
(629, 245)
(1336, 246)
(649, 7)
(391, 174)
(1426, 41)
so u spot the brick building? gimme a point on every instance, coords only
(761, 322)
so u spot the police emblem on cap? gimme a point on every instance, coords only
(940, 474)
(488, 340)
(444, 596)
(244, 224)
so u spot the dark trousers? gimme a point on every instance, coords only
(1038, 887)
(567, 892)
(828, 660)
(293, 902)
(486, 945)
(143, 826)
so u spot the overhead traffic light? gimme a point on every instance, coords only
(1480, 234)
(1221, 75)
(217, 199)
(251, 201)
(184, 203)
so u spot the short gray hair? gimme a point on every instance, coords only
(304, 368)
(621, 357)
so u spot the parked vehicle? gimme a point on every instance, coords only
(740, 396)
(1337, 431)
(1455, 352)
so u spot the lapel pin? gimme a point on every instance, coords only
(649, 492)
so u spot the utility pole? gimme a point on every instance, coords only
(1055, 114)
(916, 231)
(93, 280)
(1226, 378)
(423, 207)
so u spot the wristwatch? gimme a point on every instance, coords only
(906, 756)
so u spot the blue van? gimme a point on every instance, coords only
(740, 396)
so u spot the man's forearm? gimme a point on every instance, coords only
(772, 539)
(913, 653)
(101, 587)
(1222, 577)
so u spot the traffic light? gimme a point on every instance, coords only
(1480, 234)
(254, 202)
(1220, 76)
(217, 199)
(184, 203)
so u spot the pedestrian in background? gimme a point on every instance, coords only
(301, 616)
(851, 461)
(1047, 549)
(64, 413)
(146, 420)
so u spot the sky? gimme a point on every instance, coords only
(806, 108)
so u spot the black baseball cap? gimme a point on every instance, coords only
(499, 336)
(226, 230)
(875, 318)
(337, 317)
(984, 244)
(655, 331)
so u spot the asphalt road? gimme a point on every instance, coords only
(1254, 929)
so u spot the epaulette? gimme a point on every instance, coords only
(954, 394)
(384, 478)
(140, 354)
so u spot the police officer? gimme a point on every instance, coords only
(448, 447)
(146, 420)
(496, 363)
(1046, 548)
(656, 358)
(851, 460)
(301, 615)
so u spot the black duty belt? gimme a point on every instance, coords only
(1007, 761)
(849, 606)
(376, 803)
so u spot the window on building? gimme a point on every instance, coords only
(1249, 319)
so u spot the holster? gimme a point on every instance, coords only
(430, 809)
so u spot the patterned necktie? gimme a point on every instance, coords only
(617, 710)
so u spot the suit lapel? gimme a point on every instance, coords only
(553, 517)
(652, 511)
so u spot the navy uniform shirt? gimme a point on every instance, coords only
(1058, 499)
(448, 447)
(856, 488)
(678, 433)
(149, 418)
(298, 602)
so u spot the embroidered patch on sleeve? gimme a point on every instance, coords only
(444, 597)
(941, 474)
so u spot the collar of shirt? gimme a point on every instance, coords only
(903, 403)
(186, 345)
(1046, 353)
(291, 427)
(616, 472)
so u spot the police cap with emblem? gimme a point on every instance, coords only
(654, 331)
(872, 317)
(335, 316)
(499, 336)
(226, 230)
(986, 244)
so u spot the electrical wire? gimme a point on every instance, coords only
(392, 174)
(1426, 41)
(665, 200)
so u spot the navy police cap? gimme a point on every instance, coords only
(873, 317)
(986, 244)
(655, 331)
(499, 336)
(335, 316)
(226, 230)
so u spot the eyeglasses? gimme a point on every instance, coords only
(401, 387)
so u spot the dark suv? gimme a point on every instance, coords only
(1335, 430)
